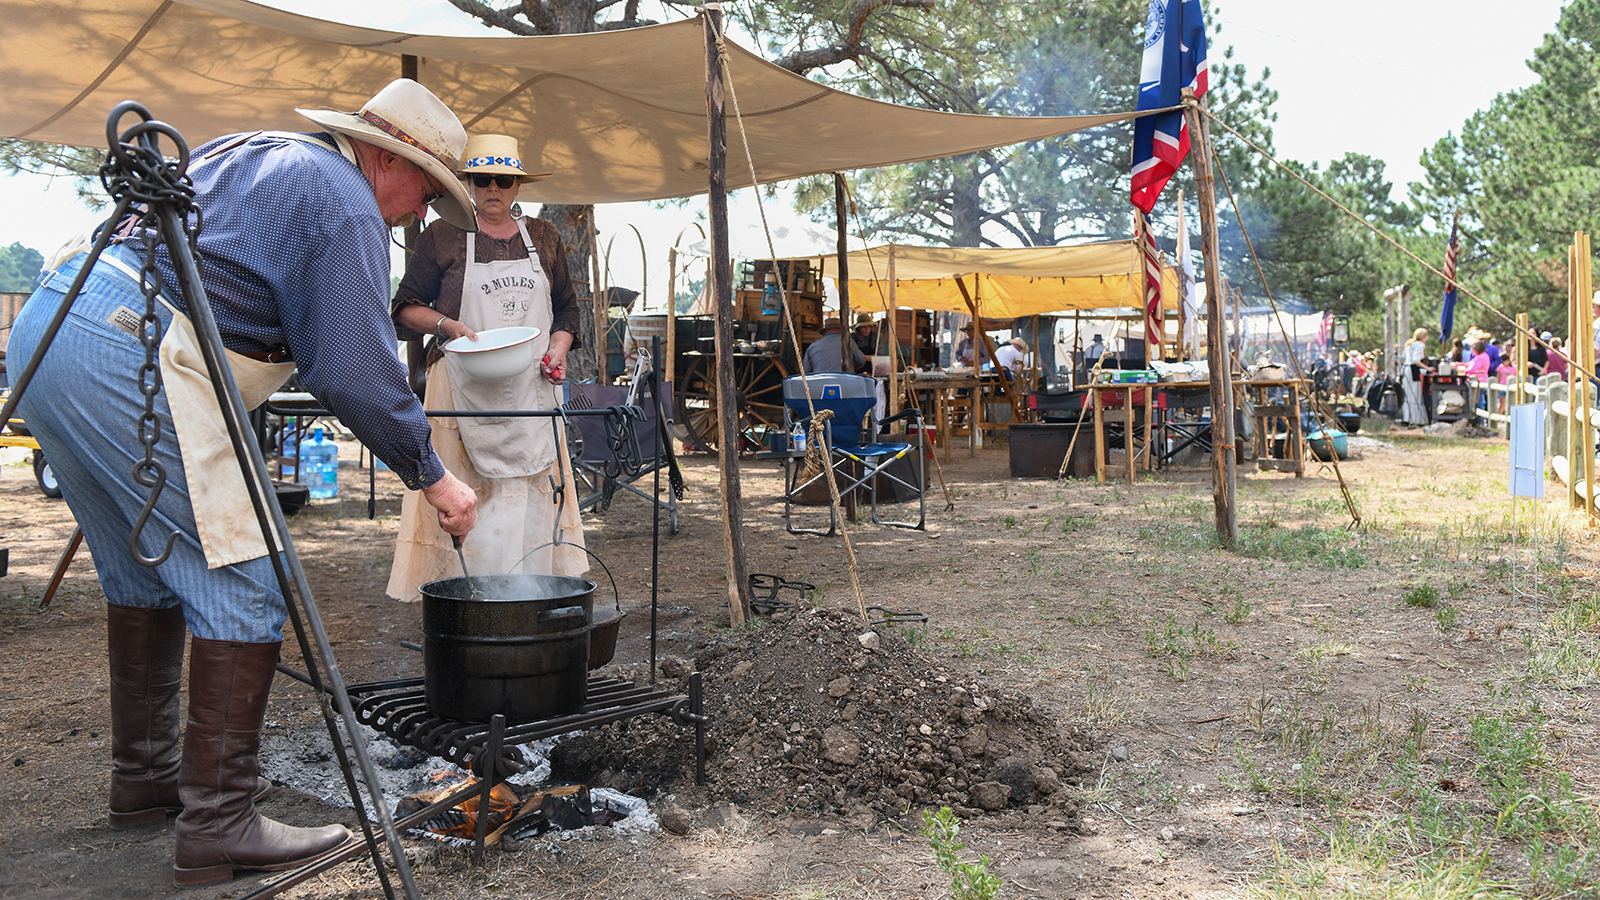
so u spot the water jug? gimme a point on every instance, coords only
(319, 466)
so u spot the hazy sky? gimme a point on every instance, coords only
(1385, 78)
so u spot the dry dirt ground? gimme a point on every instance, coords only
(1323, 712)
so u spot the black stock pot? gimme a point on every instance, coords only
(517, 645)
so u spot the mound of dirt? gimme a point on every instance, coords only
(813, 712)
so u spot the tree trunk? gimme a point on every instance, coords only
(966, 212)
(572, 221)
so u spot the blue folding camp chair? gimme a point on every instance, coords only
(872, 467)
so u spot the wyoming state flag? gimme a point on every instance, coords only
(1174, 58)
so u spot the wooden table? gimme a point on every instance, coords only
(1124, 415)
(945, 394)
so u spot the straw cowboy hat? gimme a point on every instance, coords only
(408, 119)
(495, 154)
(1019, 343)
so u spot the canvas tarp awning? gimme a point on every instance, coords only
(616, 115)
(1005, 282)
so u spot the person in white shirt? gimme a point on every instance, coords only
(1013, 356)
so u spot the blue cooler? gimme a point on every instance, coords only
(851, 397)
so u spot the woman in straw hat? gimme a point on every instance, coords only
(511, 272)
(311, 291)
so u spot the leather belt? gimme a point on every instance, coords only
(277, 354)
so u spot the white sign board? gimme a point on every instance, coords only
(1527, 450)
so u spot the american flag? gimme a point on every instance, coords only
(1447, 313)
(1154, 323)
(1174, 58)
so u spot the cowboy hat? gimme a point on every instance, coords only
(407, 119)
(495, 154)
(1019, 343)
(864, 319)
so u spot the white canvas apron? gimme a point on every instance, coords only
(223, 515)
(524, 524)
(499, 295)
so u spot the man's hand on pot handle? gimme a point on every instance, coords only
(456, 503)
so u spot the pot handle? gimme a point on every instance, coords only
(565, 612)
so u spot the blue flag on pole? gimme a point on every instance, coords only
(1174, 58)
(1447, 313)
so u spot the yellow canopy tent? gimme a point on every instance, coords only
(1005, 283)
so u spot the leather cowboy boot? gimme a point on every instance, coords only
(219, 830)
(145, 647)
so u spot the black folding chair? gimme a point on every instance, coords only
(608, 453)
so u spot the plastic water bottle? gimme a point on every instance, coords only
(797, 438)
(289, 455)
(319, 466)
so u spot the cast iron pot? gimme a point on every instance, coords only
(519, 648)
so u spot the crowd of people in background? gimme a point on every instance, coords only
(1479, 356)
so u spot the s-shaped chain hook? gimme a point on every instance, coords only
(137, 169)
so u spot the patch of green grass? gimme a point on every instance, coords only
(1329, 548)
(1422, 596)
(1074, 523)
(1362, 865)
(1105, 702)
(1238, 612)
(1528, 799)
(1446, 616)
(1178, 645)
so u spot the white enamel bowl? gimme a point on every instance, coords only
(497, 354)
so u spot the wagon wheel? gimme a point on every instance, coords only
(758, 387)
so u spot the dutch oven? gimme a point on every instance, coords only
(516, 645)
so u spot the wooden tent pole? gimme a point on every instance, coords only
(1223, 452)
(980, 339)
(894, 341)
(721, 286)
(841, 222)
(1181, 345)
(1574, 377)
(669, 365)
(1520, 392)
(597, 300)
(1586, 316)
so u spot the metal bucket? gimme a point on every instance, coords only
(520, 648)
(603, 636)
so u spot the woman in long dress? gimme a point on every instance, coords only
(512, 272)
(1415, 409)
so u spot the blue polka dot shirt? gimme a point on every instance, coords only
(294, 253)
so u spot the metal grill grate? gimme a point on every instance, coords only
(397, 709)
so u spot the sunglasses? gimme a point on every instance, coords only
(503, 182)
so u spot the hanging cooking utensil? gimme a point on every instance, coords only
(472, 589)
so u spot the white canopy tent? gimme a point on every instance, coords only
(616, 115)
